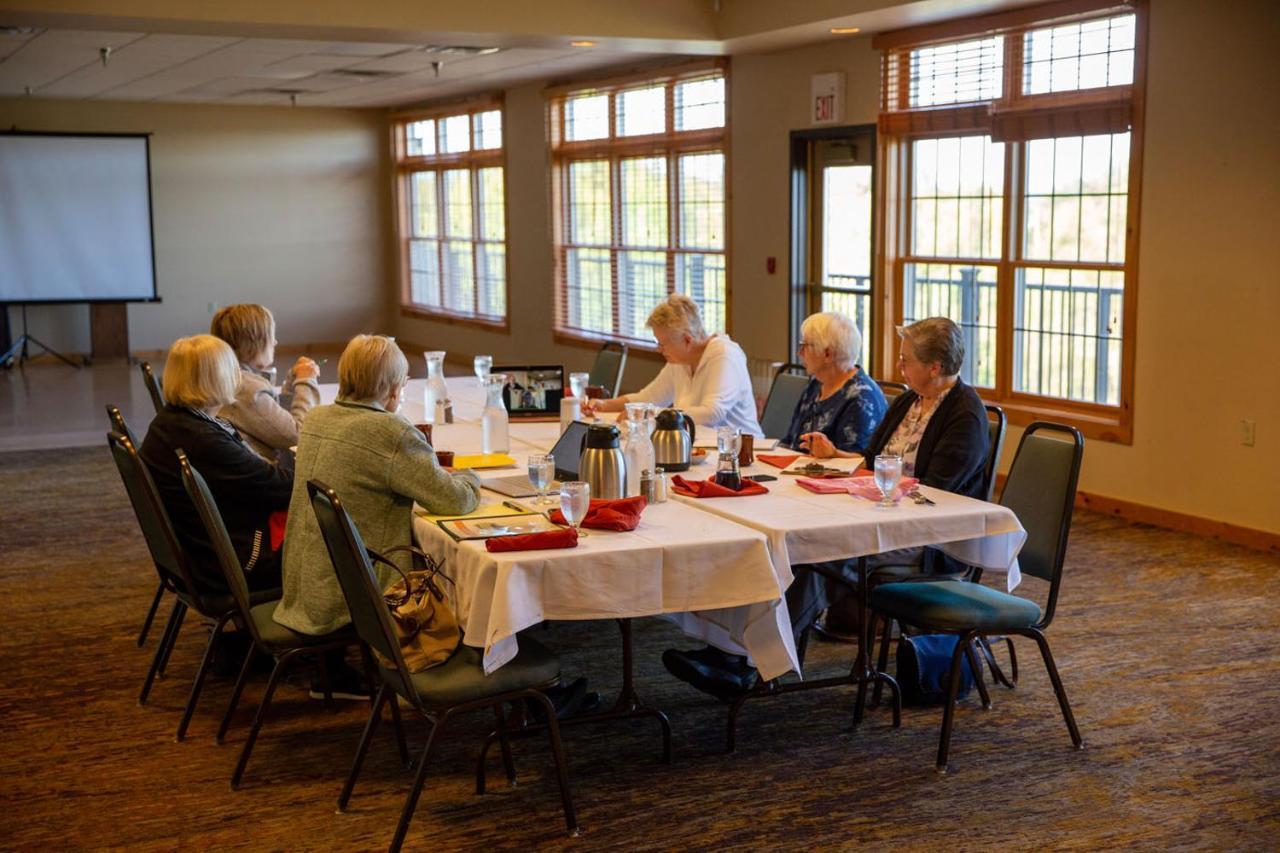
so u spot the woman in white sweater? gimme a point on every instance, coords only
(705, 375)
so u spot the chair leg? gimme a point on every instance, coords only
(977, 676)
(173, 640)
(1013, 662)
(562, 770)
(1058, 689)
(365, 737)
(151, 614)
(241, 680)
(282, 665)
(322, 672)
(197, 684)
(953, 687)
(882, 663)
(411, 802)
(997, 674)
(508, 763)
(166, 638)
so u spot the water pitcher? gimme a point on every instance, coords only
(495, 437)
(438, 409)
(638, 450)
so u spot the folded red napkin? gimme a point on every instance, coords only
(276, 523)
(778, 460)
(620, 514)
(710, 489)
(565, 537)
(863, 486)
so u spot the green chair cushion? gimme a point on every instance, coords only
(954, 606)
(461, 678)
(279, 639)
(218, 604)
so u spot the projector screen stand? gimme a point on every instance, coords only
(18, 353)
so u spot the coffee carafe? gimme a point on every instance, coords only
(673, 440)
(602, 463)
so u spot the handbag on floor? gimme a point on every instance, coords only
(425, 625)
(924, 664)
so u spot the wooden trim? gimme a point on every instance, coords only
(1209, 528)
(418, 312)
(456, 106)
(998, 22)
(650, 74)
(648, 353)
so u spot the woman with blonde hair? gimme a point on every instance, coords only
(202, 375)
(257, 412)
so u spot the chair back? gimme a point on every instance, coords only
(611, 363)
(1041, 491)
(167, 552)
(995, 442)
(211, 517)
(369, 613)
(891, 390)
(120, 425)
(784, 395)
(152, 382)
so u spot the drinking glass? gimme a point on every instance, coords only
(483, 364)
(728, 440)
(575, 499)
(578, 383)
(542, 470)
(888, 473)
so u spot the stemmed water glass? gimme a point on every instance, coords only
(888, 472)
(578, 383)
(483, 364)
(542, 469)
(575, 500)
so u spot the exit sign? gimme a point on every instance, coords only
(826, 99)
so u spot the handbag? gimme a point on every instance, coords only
(424, 623)
(924, 666)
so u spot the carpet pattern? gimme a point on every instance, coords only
(1169, 646)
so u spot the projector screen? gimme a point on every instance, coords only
(75, 219)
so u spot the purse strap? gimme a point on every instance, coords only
(432, 570)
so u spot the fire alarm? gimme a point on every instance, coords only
(771, 265)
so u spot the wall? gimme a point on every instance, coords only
(274, 205)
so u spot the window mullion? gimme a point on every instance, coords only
(441, 233)
(1010, 239)
(475, 237)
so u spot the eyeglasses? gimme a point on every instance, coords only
(802, 345)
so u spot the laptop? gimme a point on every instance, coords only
(568, 453)
(534, 392)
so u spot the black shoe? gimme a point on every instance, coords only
(568, 699)
(712, 671)
(345, 682)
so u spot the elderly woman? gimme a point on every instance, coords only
(201, 375)
(939, 428)
(256, 411)
(705, 375)
(841, 406)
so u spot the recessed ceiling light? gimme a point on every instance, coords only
(845, 31)
(582, 44)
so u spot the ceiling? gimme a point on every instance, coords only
(330, 53)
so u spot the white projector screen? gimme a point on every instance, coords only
(75, 219)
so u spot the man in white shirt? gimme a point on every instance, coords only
(705, 375)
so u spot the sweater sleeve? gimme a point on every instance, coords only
(262, 416)
(961, 450)
(243, 476)
(415, 473)
(721, 384)
(661, 391)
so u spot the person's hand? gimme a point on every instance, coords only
(817, 445)
(305, 368)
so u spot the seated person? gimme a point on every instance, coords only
(705, 375)
(841, 406)
(201, 375)
(256, 411)
(939, 427)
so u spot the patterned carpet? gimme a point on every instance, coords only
(1169, 646)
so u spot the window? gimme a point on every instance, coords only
(453, 231)
(639, 188)
(1015, 205)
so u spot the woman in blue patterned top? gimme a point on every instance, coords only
(842, 406)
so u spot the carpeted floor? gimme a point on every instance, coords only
(1169, 646)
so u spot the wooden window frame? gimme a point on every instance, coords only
(613, 149)
(473, 160)
(1092, 111)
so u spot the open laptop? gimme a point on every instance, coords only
(568, 452)
(534, 392)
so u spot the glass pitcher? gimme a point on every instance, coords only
(638, 449)
(495, 437)
(438, 409)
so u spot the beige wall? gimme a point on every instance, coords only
(279, 206)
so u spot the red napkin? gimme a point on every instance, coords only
(565, 537)
(710, 489)
(780, 460)
(275, 524)
(622, 514)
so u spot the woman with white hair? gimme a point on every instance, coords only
(841, 406)
(705, 375)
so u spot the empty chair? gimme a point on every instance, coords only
(784, 395)
(440, 692)
(118, 424)
(611, 363)
(152, 382)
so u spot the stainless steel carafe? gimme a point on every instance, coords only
(602, 463)
(673, 440)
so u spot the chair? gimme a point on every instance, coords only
(153, 386)
(268, 636)
(784, 396)
(890, 389)
(611, 363)
(1041, 490)
(173, 567)
(440, 692)
(118, 424)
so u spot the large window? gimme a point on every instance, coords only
(1013, 206)
(639, 200)
(452, 213)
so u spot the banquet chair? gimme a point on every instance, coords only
(784, 395)
(152, 382)
(286, 647)
(1040, 489)
(610, 364)
(173, 567)
(438, 693)
(890, 389)
(118, 424)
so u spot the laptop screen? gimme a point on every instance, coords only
(568, 451)
(534, 390)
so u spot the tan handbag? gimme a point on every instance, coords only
(425, 625)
